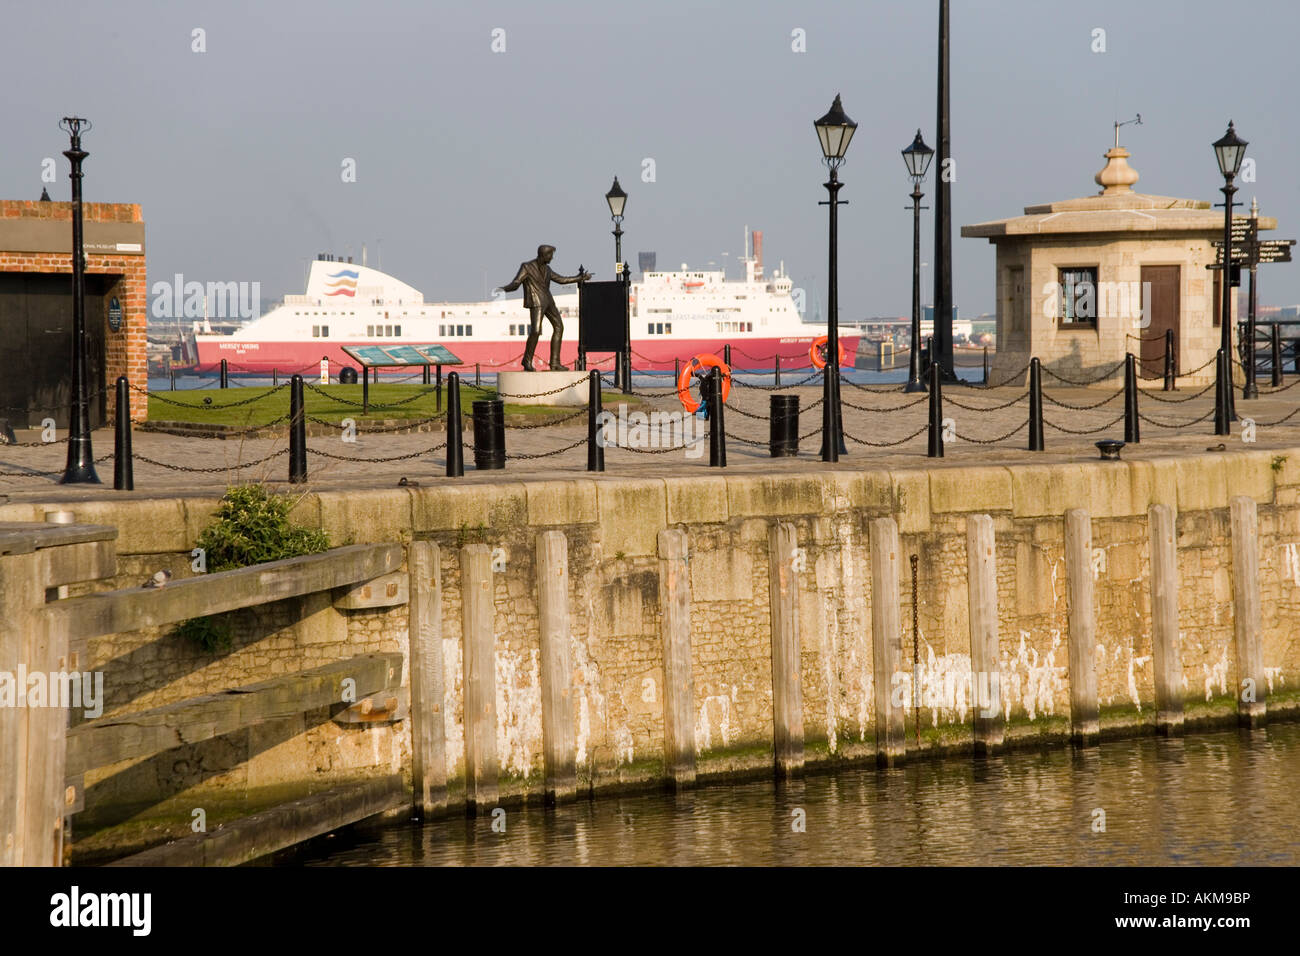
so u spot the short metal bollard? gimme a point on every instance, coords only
(489, 434)
(297, 433)
(455, 440)
(776, 370)
(934, 437)
(1169, 360)
(726, 355)
(1109, 448)
(783, 441)
(225, 374)
(478, 377)
(123, 472)
(1035, 405)
(347, 375)
(1132, 432)
(717, 428)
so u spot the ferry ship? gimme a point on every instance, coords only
(674, 316)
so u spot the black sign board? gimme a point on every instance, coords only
(114, 314)
(602, 316)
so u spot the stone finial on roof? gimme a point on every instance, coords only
(1118, 176)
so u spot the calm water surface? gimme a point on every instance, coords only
(1216, 799)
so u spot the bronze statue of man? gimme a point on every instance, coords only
(536, 276)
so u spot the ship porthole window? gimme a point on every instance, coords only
(469, 330)
(397, 330)
(325, 331)
(370, 331)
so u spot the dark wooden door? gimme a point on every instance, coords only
(36, 348)
(1165, 310)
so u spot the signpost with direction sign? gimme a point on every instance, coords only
(1249, 252)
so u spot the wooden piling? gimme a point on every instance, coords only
(428, 684)
(982, 584)
(787, 687)
(1252, 707)
(481, 759)
(1166, 655)
(679, 687)
(1085, 726)
(20, 583)
(886, 642)
(558, 745)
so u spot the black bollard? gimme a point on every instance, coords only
(1131, 429)
(172, 372)
(1277, 355)
(365, 389)
(1223, 388)
(225, 374)
(123, 472)
(776, 369)
(437, 390)
(489, 434)
(726, 355)
(595, 440)
(478, 378)
(717, 430)
(297, 433)
(275, 378)
(1170, 373)
(677, 370)
(934, 446)
(783, 440)
(424, 378)
(1035, 405)
(986, 365)
(455, 443)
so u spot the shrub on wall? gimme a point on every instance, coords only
(252, 526)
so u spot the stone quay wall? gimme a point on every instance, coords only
(617, 647)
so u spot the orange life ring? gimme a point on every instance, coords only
(689, 370)
(815, 353)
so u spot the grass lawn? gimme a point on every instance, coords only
(333, 405)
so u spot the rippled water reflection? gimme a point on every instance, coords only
(1216, 799)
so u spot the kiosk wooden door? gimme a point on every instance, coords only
(1161, 303)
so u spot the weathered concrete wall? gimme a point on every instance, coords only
(612, 524)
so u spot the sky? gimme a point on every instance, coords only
(478, 131)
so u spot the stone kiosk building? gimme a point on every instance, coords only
(1082, 282)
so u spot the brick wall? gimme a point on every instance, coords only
(125, 351)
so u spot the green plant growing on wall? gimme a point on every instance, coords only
(1277, 462)
(251, 526)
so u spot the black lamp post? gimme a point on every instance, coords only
(917, 156)
(617, 199)
(80, 468)
(1228, 150)
(834, 131)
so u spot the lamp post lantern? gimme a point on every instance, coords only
(80, 468)
(834, 131)
(917, 156)
(1229, 151)
(617, 200)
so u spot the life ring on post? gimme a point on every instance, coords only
(815, 353)
(689, 370)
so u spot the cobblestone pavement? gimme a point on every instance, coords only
(884, 429)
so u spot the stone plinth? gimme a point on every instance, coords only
(543, 388)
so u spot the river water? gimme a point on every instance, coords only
(1217, 799)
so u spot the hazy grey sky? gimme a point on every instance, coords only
(467, 159)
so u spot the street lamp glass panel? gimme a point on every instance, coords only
(834, 130)
(918, 156)
(616, 198)
(1229, 151)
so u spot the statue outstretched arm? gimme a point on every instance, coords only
(582, 276)
(514, 283)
